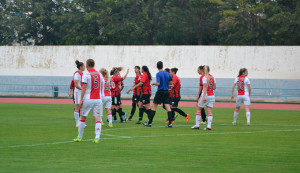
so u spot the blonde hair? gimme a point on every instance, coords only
(206, 72)
(104, 72)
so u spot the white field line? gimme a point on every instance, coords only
(154, 136)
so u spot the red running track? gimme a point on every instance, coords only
(128, 103)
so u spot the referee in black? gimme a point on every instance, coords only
(163, 80)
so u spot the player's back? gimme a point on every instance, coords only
(93, 80)
(163, 78)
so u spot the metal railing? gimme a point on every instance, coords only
(285, 94)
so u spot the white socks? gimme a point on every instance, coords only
(76, 116)
(81, 127)
(198, 117)
(235, 116)
(98, 127)
(248, 117)
(109, 117)
(209, 120)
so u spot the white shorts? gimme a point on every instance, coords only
(210, 101)
(242, 99)
(77, 96)
(106, 101)
(91, 105)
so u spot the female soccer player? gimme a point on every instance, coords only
(144, 100)
(90, 100)
(77, 92)
(116, 91)
(244, 91)
(136, 92)
(175, 95)
(106, 97)
(201, 72)
(207, 98)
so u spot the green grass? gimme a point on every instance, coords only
(29, 136)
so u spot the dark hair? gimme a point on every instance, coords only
(174, 70)
(159, 65)
(242, 70)
(167, 70)
(138, 67)
(90, 62)
(78, 64)
(201, 67)
(115, 70)
(146, 70)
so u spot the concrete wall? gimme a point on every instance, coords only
(263, 62)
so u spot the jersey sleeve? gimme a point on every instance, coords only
(247, 81)
(201, 82)
(85, 78)
(77, 77)
(143, 78)
(204, 81)
(215, 80)
(235, 80)
(157, 78)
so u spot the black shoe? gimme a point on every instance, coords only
(146, 124)
(139, 122)
(169, 126)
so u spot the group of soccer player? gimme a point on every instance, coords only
(93, 90)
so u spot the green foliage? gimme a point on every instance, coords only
(149, 22)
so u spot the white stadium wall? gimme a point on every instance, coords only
(263, 62)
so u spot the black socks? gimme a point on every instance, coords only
(133, 110)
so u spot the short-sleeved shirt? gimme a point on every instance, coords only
(210, 85)
(93, 80)
(115, 83)
(175, 90)
(163, 78)
(242, 83)
(146, 87)
(78, 77)
(137, 90)
(106, 87)
(72, 86)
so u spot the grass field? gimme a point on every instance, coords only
(38, 138)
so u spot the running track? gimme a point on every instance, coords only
(128, 103)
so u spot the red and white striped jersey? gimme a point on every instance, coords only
(93, 80)
(210, 85)
(78, 79)
(242, 83)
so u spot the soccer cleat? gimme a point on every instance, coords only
(123, 121)
(233, 123)
(195, 127)
(206, 128)
(129, 119)
(248, 123)
(187, 118)
(111, 126)
(169, 126)
(146, 124)
(78, 139)
(167, 121)
(102, 123)
(96, 141)
(203, 122)
(139, 122)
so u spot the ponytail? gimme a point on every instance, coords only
(242, 70)
(206, 72)
(146, 70)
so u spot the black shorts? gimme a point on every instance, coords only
(145, 98)
(162, 96)
(175, 101)
(116, 100)
(135, 99)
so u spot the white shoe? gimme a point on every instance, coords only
(206, 128)
(233, 123)
(195, 127)
(248, 123)
(203, 122)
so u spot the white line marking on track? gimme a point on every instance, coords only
(154, 136)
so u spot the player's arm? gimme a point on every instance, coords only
(76, 85)
(232, 90)
(124, 77)
(157, 83)
(135, 86)
(131, 88)
(249, 87)
(199, 92)
(70, 92)
(122, 87)
(84, 86)
(215, 86)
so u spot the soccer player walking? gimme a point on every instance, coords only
(163, 80)
(244, 91)
(207, 98)
(136, 92)
(144, 100)
(77, 91)
(90, 100)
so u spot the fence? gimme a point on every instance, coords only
(222, 93)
